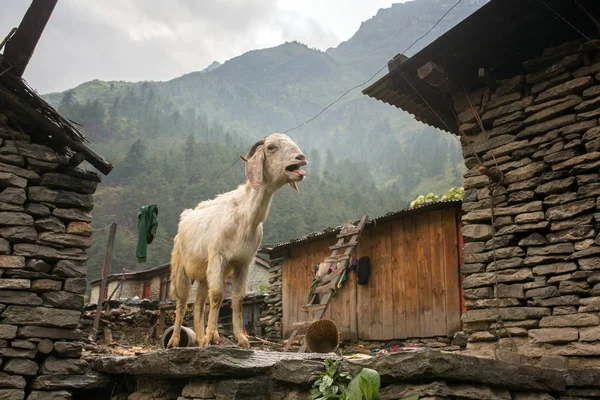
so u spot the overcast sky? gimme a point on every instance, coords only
(136, 40)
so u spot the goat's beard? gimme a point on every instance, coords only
(294, 186)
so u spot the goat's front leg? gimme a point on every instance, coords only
(179, 313)
(199, 304)
(216, 268)
(240, 277)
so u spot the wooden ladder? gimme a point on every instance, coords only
(328, 283)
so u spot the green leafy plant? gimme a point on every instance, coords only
(335, 384)
(263, 288)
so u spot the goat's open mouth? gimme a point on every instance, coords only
(296, 169)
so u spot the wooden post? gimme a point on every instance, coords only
(105, 273)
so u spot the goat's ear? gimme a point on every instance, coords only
(254, 169)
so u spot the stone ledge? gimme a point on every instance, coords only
(294, 368)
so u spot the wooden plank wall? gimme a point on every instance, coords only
(413, 290)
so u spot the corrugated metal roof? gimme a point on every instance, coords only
(500, 35)
(327, 232)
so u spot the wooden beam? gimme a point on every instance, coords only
(20, 47)
(29, 115)
(105, 273)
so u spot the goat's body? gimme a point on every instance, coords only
(221, 237)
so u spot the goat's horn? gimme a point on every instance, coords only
(254, 147)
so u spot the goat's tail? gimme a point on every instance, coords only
(180, 283)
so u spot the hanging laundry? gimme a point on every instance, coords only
(147, 224)
(363, 271)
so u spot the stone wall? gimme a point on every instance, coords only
(271, 317)
(45, 230)
(231, 373)
(257, 276)
(542, 132)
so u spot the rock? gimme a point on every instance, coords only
(88, 381)
(63, 366)
(558, 199)
(71, 183)
(557, 186)
(577, 85)
(8, 331)
(12, 262)
(44, 285)
(11, 381)
(555, 269)
(60, 197)
(37, 265)
(15, 218)
(552, 109)
(75, 285)
(468, 183)
(557, 301)
(573, 287)
(505, 109)
(500, 241)
(65, 239)
(19, 234)
(472, 268)
(535, 284)
(13, 196)
(489, 303)
(17, 284)
(560, 248)
(480, 293)
(591, 190)
(510, 229)
(585, 219)
(31, 150)
(535, 239)
(546, 126)
(69, 269)
(27, 174)
(589, 304)
(20, 367)
(488, 278)
(587, 263)
(51, 224)
(199, 388)
(477, 232)
(49, 333)
(508, 263)
(12, 394)
(41, 316)
(570, 210)
(43, 395)
(62, 299)
(524, 173)
(508, 314)
(48, 253)
(443, 390)
(11, 352)
(80, 228)
(543, 292)
(559, 278)
(564, 310)
(72, 214)
(521, 196)
(68, 349)
(585, 158)
(8, 179)
(554, 335)
(574, 320)
(19, 297)
(578, 233)
(528, 218)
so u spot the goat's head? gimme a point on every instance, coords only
(275, 160)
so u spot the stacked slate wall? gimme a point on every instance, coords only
(45, 230)
(543, 133)
(271, 317)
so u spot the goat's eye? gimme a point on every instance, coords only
(271, 147)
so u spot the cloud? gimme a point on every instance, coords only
(159, 40)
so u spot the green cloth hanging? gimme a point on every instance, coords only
(147, 224)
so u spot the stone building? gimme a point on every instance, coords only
(153, 284)
(45, 229)
(534, 83)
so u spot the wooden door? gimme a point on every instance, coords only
(146, 292)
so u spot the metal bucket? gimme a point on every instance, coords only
(187, 337)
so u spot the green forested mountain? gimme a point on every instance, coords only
(169, 139)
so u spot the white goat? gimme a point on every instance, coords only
(221, 236)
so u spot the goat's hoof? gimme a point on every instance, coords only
(211, 337)
(200, 340)
(243, 342)
(174, 342)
